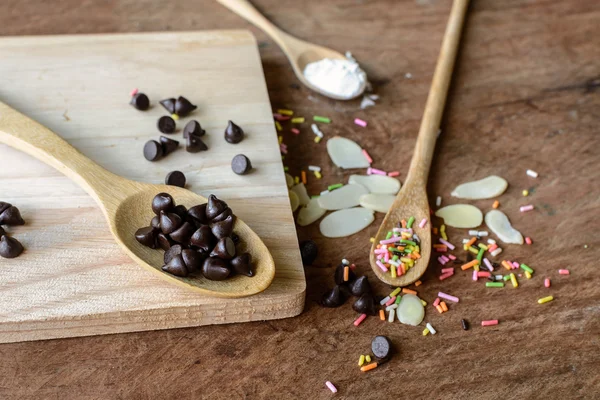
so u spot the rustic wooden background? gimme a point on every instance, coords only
(526, 94)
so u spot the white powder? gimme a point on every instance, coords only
(338, 77)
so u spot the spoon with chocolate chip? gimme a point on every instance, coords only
(217, 254)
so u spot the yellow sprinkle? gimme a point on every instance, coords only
(525, 193)
(395, 292)
(465, 247)
(175, 117)
(423, 302)
(278, 126)
(482, 246)
(393, 271)
(318, 175)
(443, 235)
(528, 274)
(361, 360)
(280, 138)
(317, 139)
(425, 332)
(545, 299)
(296, 180)
(513, 280)
(443, 228)
(368, 358)
(476, 267)
(473, 250)
(372, 240)
(283, 111)
(297, 120)
(405, 259)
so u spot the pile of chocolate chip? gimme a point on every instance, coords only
(359, 287)
(198, 241)
(9, 216)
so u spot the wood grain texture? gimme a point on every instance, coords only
(73, 280)
(525, 94)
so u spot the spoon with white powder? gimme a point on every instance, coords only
(321, 69)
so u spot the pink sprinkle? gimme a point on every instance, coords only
(390, 301)
(446, 276)
(296, 131)
(389, 241)
(483, 274)
(564, 272)
(445, 258)
(452, 256)
(441, 249)
(331, 387)
(489, 322)
(448, 297)
(382, 250)
(360, 319)
(423, 221)
(526, 208)
(283, 149)
(279, 117)
(352, 266)
(380, 256)
(547, 282)
(367, 156)
(447, 243)
(515, 265)
(380, 265)
(133, 92)
(528, 240)
(488, 264)
(360, 122)
(369, 171)
(399, 271)
(475, 275)
(394, 173)
(441, 260)
(445, 270)
(386, 257)
(378, 171)
(436, 302)
(492, 247)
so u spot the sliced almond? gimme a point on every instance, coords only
(499, 223)
(377, 202)
(294, 201)
(460, 215)
(411, 310)
(486, 188)
(346, 222)
(344, 197)
(346, 153)
(310, 213)
(377, 183)
(300, 190)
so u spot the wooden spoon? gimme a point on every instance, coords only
(127, 206)
(412, 198)
(298, 52)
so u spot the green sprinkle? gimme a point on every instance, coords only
(286, 169)
(389, 235)
(527, 268)
(480, 255)
(315, 196)
(398, 298)
(411, 220)
(506, 277)
(394, 250)
(494, 284)
(324, 120)
(395, 258)
(405, 241)
(333, 187)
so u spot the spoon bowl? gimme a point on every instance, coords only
(127, 206)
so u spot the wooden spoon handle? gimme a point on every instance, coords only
(434, 108)
(23, 133)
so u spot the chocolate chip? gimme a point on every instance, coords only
(10, 247)
(203, 238)
(175, 178)
(4, 206)
(241, 164)
(183, 106)
(168, 145)
(235, 238)
(2, 232)
(194, 144)
(11, 217)
(233, 133)
(181, 211)
(176, 266)
(198, 213)
(175, 250)
(169, 105)
(333, 298)
(223, 216)
(193, 127)
(360, 286)
(155, 222)
(169, 222)
(215, 269)
(339, 275)
(365, 304)
(242, 264)
(465, 324)
(162, 202)
(214, 206)
(223, 228)
(146, 236)
(183, 233)
(224, 249)
(193, 260)
(140, 101)
(152, 150)
(166, 124)
(308, 252)
(164, 241)
(381, 347)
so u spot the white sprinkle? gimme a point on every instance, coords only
(408, 75)
(465, 241)
(438, 201)
(496, 252)
(498, 277)
(491, 241)
(392, 307)
(394, 263)
(392, 315)
(482, 233)
(314, 168)
(345, 262)
(532, 173)
(473, 232)
(316, 130)
(431, 330)
(385, 300)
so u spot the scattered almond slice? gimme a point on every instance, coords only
(346, 222)
(300, 191)
(346, 153)
(294, 201)
(411, 310)
(377, 183)
(310, 213)
(345, 197)
(289, 180)
(377, 202)
(486, 188)
(498, 223)
(460, 215)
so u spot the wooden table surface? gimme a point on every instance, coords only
(526, 94)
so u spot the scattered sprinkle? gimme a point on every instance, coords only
(297, 120)
(433, 331)
(285, 112)
(394, 173)
(318, 118)
(545, 299)
(295, 131)
(532, 173)
(496, 204)
(526, 208)
(331, 386)
(443, 295)
(490, 322)
(525, 193)
(133, 92)
(438, 201)
(360, 122)
(465, 324)
(368, 367)
(367, 156)
(528, 240)
(278, 126)
(564, 272)
(547, 282)
(360, 319)
(361, 359)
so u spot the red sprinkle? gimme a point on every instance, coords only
(133, 92)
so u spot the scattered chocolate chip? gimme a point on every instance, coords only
(333, 298)
(152, 150)
(194, 144)
(242, 264)
(223, 216)
(381, 347)
(203, 238)
(224, 249)
(308, 252)
(183, 106)
(184, 233)
(223, 228)
(214, 206)
(169, 105)
(140, 101)
(175, 178)
(193, 128)
(175, 250)
(169, 222)
(176, 266)
(365, 304)
(233, 133)
(339, 275)
(193, 260)
(11, 217)
(465, 324)
(155, 222)
(162, 202)
(168, 145)
(166, 124)
(360, 286)
(241, 164)
(4, 206)
(164, 241)
(146, 236)
(10, 247)
(198, 213)
(215, 269)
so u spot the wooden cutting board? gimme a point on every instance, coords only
(73, 280)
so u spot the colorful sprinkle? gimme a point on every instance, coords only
(528, 240)
(545, 299)
(318, 118)
(133, 92)
(285, 112)
(295, 131)
(532, 173)
(547, 282)
(367, 156)
(564, 272)
(368, 367)
(490, 322)
(496, 204)
(360, 319)
(394, 173)
(443, 295)
(360, 122)
(331, 387)
(526, 208)
(297, 120)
